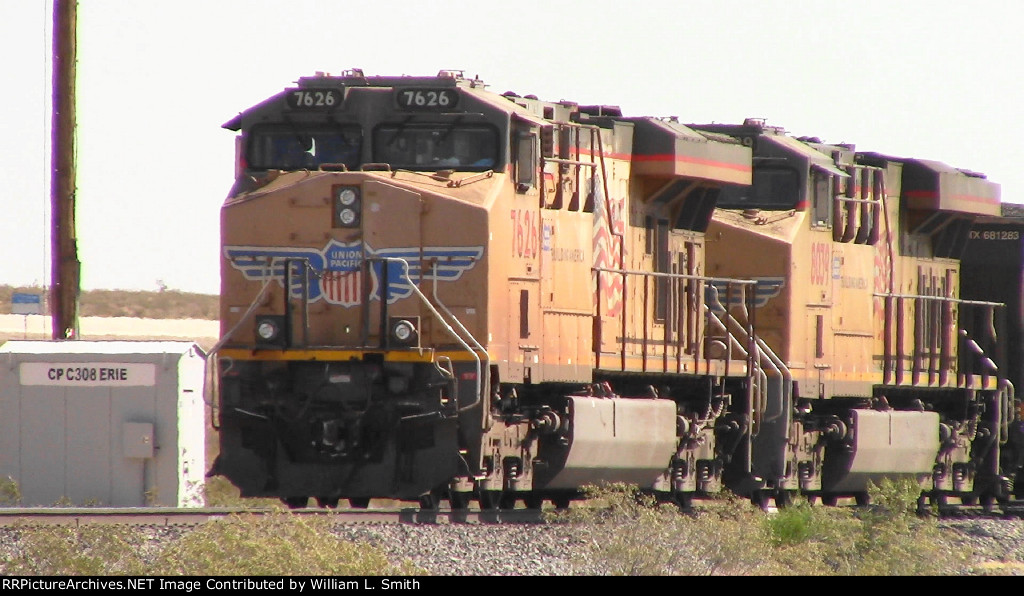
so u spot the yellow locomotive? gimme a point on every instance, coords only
(432, 291)
(865, 319)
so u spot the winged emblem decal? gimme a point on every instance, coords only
(335, 274)
(766, 289)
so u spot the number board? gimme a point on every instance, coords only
(314, 99)
(425, 98)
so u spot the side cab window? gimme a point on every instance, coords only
(822, 198)
(525, 159)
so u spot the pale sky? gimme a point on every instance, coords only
(933, 79)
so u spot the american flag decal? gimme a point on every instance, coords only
(344, 288)
(607, 251)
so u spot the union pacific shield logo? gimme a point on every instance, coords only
(336, 273)
(341, 280)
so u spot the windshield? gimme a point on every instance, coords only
(436, 146)
(303, 146)
(772, 188)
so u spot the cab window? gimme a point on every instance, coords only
(441, 146)
(822, 202)
(303, 146)
(526, 161)
(773, 188)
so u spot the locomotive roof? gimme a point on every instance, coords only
(667, 148)
(1012, 210)
(815, 157)
(778, 142)
(355, 79)
(930, 184)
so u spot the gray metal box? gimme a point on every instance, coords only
(106, 423)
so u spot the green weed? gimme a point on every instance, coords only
(10, 492)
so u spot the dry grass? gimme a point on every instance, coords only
(168, 304)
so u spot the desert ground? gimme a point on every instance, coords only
(204, 333)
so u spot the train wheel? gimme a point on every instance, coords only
(759, 499)
(533, 501)
(783, 499)
(295, 502)
(508, 500)
(327, 502)
(684, 501)
(922, 505)
(561, 502)
(988, 503)
(862, 499)
(430, 502)
(829, 499)
(489, 500)
(359, 503)
(459, 501)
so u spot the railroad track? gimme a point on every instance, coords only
(168, 516)
(165, 516)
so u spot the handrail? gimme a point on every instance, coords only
(672, 276)
(940, 298)
(933, 355)
(759, 387)
(211, 354)
(570, 162)
(742, 282)
(426, 302)
(755, 348)
(252, 307)
(481, 386)
(785, 376)
(306, 267)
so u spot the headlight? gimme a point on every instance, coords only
(267, 330)
(347, 196)
(347, 206)
(405, 331)
(270, 329)
(347, 216)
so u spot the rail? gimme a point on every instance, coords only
(27, 517)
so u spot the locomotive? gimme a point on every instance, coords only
(434, 292)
